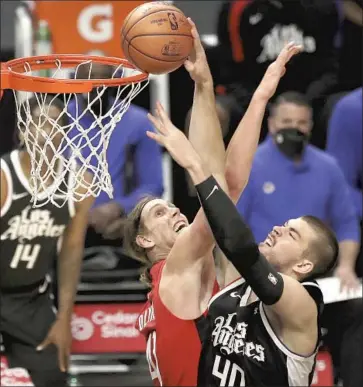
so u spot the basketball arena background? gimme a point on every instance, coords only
(107, 350)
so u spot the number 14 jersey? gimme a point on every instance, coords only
(29, 236)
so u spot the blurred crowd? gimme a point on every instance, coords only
(310, 157)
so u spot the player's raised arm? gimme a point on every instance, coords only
(244, 142)
(205, 132)
(243, 145)
(206, 137)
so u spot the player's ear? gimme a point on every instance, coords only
(144, 242)
(304, 267)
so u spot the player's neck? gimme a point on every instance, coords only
(158, 255)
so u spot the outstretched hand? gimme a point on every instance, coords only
(197, 64)
(173, 139)
(59, 335)
(276, 71)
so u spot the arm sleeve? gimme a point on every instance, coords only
(342, 145)
(236, 241)
(342, 213)
(148, 168)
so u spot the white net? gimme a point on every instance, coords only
(67, 135)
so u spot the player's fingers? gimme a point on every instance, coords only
(44, 344)
(343, 285)
(354, 284)
(156, 137)
(197, 42)
(61, 358)
(193, 30)
(296, 49)
(156, 122)
(188, 65)
(284, 54)
(163, 120)
(190, 21)
(163, 116)
(67, 359)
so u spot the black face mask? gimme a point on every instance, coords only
(291, 141)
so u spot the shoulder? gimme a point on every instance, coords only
(322, 159)
(349, 101)
(303, 299)
(315, 292)
(346, 116)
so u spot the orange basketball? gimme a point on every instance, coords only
(156, 37)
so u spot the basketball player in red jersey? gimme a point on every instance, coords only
(179, 256)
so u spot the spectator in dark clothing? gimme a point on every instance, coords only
(251, 34)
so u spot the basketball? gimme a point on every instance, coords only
(156, 38)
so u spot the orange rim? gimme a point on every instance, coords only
(13, 77)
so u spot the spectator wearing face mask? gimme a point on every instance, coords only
(134, 161)
(290, 178)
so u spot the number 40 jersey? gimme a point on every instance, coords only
(29, 236)
(242, 348)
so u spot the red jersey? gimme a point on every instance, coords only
(173, 345)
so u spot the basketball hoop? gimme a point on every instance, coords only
(52, 162)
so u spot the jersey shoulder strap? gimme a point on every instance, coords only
(313, 288)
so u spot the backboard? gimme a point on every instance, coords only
(78, 27)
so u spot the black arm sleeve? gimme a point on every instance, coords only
(236, 240)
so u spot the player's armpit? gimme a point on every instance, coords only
(226, 272)
(295, 309)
